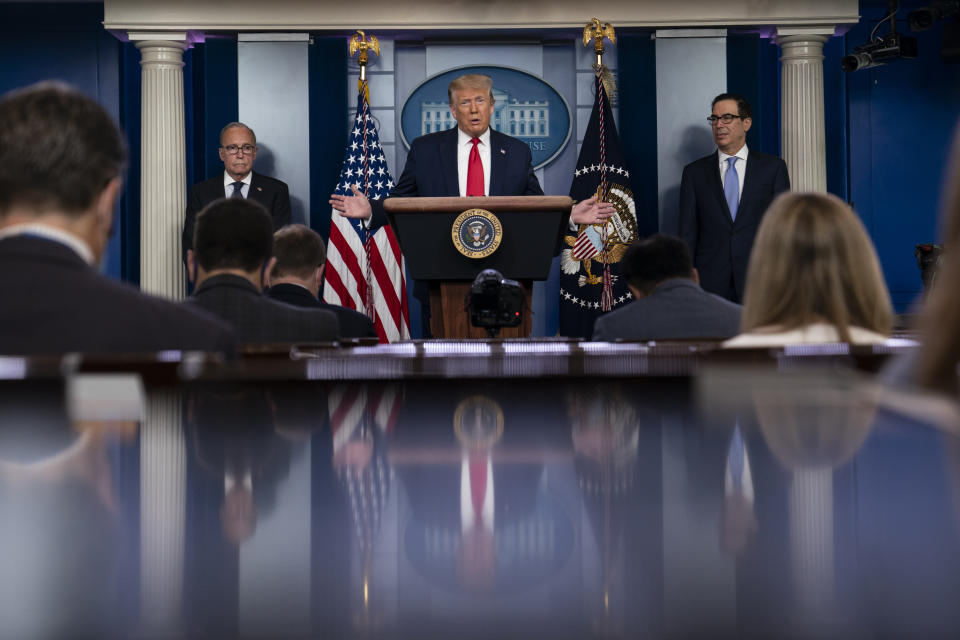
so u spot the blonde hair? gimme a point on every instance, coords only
(470, 81)
(940, 318)
(813, 262)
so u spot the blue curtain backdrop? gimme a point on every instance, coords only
(888, 129)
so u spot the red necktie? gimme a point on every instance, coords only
(475, 171)
(478, 480)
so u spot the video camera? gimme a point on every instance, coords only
(892, 46)
(495, 302)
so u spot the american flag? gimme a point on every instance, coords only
(365, 270)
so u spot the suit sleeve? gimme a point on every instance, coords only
(781, 181)
(405, 187)
(281, 207)
(687, 214)
(194, 205)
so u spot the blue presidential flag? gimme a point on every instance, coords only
(590, 261)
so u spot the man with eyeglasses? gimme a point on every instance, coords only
(469, 160)
(723, 197)
(238, 150)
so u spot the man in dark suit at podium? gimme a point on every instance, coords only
(470, 160)
(61, 162)
(721, 206)
(238, 150)
(298, 272)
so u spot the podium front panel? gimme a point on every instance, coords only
(525, 253)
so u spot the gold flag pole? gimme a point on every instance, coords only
(360, 42)
(597, 32)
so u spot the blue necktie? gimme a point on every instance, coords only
(731, 186)
(735, 458)
(237, 193)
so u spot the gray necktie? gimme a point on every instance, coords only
(731, 186)
(237, 193)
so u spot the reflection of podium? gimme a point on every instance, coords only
(532, 227)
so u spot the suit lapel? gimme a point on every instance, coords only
(448, 163)
(716, 185)
(256, 191)
(749, 179)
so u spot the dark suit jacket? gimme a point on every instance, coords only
(270, 192)
(678, 309)
(353, 324)
(720, 245)
(431, 170)
(256, 318)
(54, 302)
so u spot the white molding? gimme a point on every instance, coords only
(441, 15)
(273, 37)
(159, 36)
(660, 34)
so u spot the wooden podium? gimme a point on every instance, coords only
(532, 229)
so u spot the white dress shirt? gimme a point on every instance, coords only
(464, 146)
(740, 164)
(228, 184)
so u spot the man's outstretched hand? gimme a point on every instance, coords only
(590, 211)
(355, 206)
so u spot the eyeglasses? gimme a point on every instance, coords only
(232, 149)
(726, 118)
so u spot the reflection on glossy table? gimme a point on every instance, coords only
(737, 502)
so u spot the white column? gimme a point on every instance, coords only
(163, 179)
(801, 97)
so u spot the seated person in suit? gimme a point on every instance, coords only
(238, 150)
(813, 277)
(469, 160)
(297, 274)
(229, 265)
(61, 162)
(669, 305)
(723, 197)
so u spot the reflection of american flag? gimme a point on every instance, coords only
(356, 407)
(367, 271)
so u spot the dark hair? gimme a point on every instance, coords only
(233, 233)
(299, 251)
(58, 149)
(648, 262)
(742, 105)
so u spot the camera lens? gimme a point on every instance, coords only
(856, 61)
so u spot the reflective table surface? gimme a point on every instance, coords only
(733, 503)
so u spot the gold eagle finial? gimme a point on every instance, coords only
(597, 32)
(360, 42)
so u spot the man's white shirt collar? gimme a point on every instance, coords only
(49, 232)
(466, 138)
(742, 154)
(228, 181)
